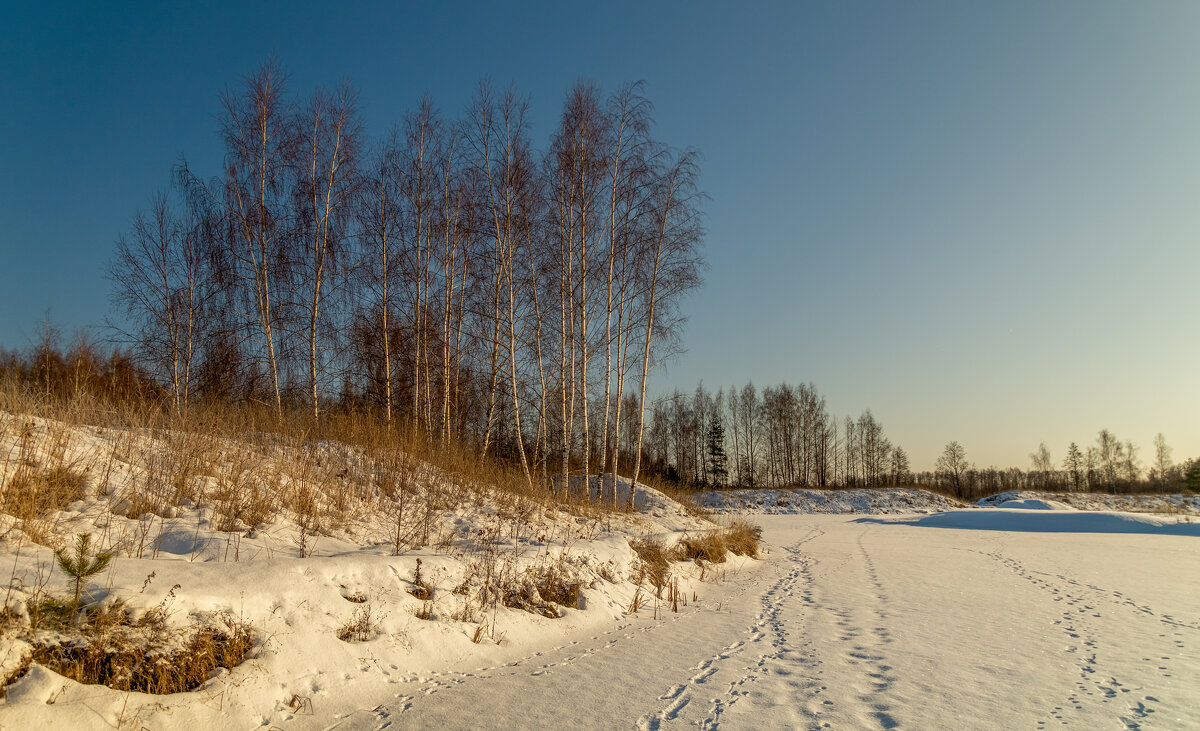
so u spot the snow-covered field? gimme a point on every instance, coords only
(871, 609)
(879, 622)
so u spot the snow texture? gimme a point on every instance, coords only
(869, 609)
(791, 501)
(872, 623)
(1159, 503)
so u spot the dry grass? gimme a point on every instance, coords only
(360, 627)
(739, 537)
(121, 659)
(102, 646)
(36, 493)
(654, 564)
(38, 477)
(742, 537)
(542, 590)
(710, 547)
(250, 467)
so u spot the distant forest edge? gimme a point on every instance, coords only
(456, 286)
(779, 436)
(783, 436)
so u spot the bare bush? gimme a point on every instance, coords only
(360, 627)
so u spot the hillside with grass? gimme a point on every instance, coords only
(231, 567)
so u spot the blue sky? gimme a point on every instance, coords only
(979, 220)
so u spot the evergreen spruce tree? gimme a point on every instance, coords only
(1193, 476)
(717, 469)
(1074, 465)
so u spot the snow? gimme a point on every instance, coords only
(298, 592)
(877, 622)
(869, 609)
(1157, 503)
(790, 501)
(1050, 520)
(1032, 504)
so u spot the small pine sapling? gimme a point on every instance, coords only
(79, 566)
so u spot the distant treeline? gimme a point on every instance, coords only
(1108, 465)
(779, 436)
(84, 368)
(783, 436)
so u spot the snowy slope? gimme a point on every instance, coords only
(806, 501)
(298, 587)
(1179, 504)
(895, 608)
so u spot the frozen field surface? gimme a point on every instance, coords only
(957, 620)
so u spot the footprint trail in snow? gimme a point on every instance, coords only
(875, 625)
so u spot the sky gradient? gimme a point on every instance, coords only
(979, 220)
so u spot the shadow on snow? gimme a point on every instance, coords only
(1047, 521)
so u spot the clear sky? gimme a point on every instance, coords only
(980, 220)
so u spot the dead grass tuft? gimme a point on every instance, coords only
(420, 588)
(145, 656)
(654, 564)
(742, 537)
(360, 627)
(542, 589)
(710, 547)
(243, 498)
(35, 493)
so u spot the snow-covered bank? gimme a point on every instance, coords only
(1042, 520)
(901, 500)
(356, 573)
(807, 501)
(1183, 504)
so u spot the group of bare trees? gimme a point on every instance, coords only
(780, 436)
(1108, 465)
(446, 276)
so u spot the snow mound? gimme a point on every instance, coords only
(793, 501)
(1176, 504)
(652, 507)
(1031, 504)
(1053, 521)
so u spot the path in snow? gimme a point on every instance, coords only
(869, 624)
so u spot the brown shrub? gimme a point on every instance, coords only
(360, 627)
(540, 589)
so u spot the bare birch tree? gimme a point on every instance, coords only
(161, 285)
(253, 198)
(379, 224)
(672, 267)
(328, 138)
(498, 135)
